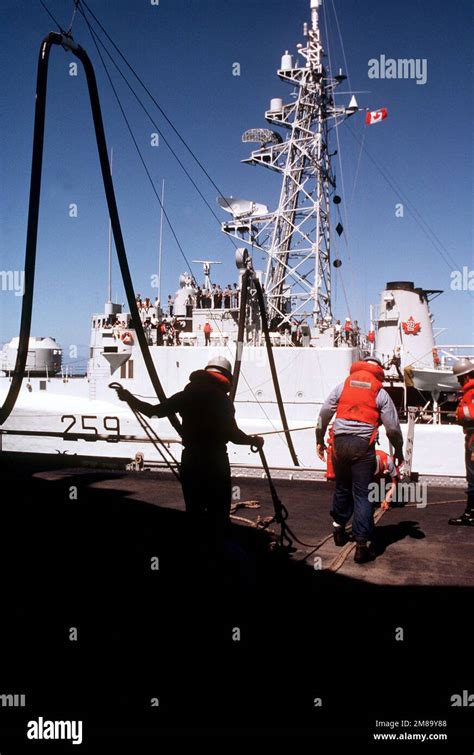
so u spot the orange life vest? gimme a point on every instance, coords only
(382, 463)
(382, 459)
(358, 400)
(465, 409)
(207, 328)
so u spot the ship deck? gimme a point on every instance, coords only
(245, 646)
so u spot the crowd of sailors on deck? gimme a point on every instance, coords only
(163, 320)
(349, 333)
(160, 331)
(169, 327)
(215, 298)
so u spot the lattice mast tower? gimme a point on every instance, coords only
(296, 237)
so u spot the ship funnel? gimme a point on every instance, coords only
(404, 321)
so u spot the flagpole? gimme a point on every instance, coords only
(110, 234)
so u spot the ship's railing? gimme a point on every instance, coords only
(448, 353)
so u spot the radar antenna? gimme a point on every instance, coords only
(206, 267)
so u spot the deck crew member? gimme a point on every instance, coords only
(208, 424)
(348, 330)
(356, 334)
(386, 471)
(207, 330)
(236, 296)
(337, 333)
(396, 361)
(464, 371)
(361, 404)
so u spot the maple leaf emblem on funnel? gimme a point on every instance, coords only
(410, 327)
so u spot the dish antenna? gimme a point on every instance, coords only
(242, 207)
(262, 136)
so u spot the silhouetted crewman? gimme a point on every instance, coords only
(208, 424)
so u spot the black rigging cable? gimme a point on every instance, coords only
(418, 218)
(173, 127)
(139, 151)
(178, 160)
(157, 442)
(52, 17)
(71, 24)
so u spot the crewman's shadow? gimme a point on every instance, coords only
(392, 533)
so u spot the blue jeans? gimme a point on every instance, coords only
(354, 465)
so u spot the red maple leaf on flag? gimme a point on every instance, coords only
(375, 116)
(410, 327)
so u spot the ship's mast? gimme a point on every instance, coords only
(109, 288)
(296, 237)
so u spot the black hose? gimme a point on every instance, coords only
(117, 231)
(240, 334)
(33, 213)
(287, 536)
(32, 230)
(268, 343)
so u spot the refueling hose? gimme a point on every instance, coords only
(33, 213)
(240, 334)
(271, 361)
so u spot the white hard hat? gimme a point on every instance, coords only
(463, 366)
(220, 364)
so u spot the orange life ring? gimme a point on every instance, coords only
(127, 338)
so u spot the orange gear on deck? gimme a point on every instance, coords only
(329, 465)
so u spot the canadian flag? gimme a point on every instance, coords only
(375, 116)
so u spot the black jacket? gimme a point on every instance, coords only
(207, 413)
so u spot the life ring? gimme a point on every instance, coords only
(181, 324)
(127, 338)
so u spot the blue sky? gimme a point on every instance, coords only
(185, 50)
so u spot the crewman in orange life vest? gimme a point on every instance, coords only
(386, 471)
(464, 370)
(361, 404)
